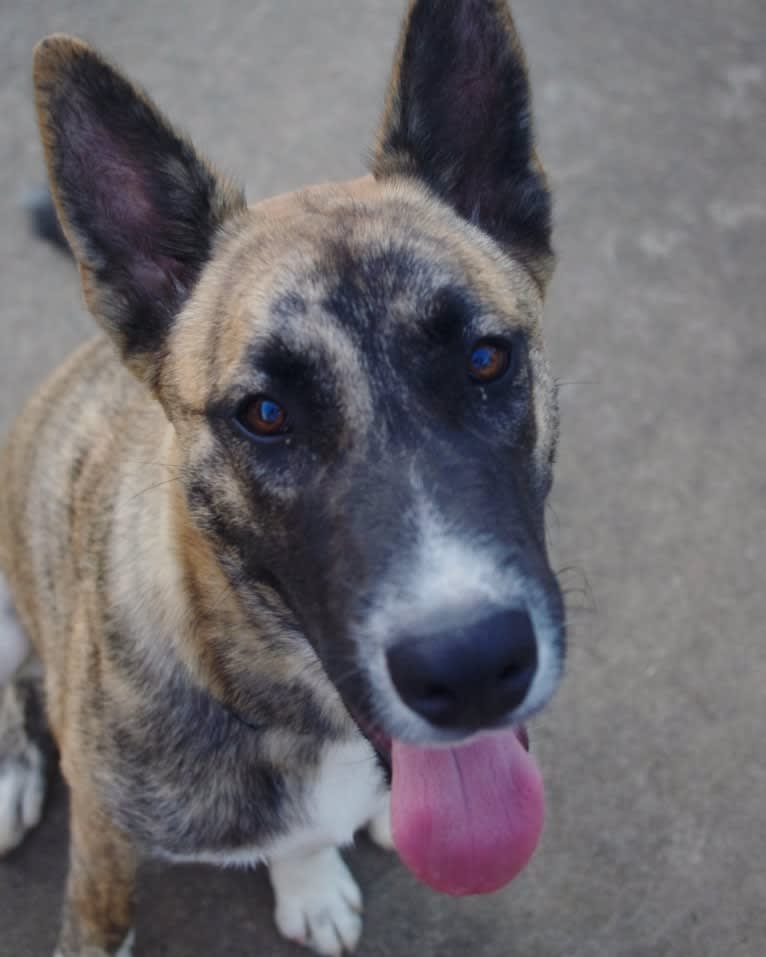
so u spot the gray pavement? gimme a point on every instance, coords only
(653, 125)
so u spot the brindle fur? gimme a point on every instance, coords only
(157, 565)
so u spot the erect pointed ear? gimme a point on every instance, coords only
(458, 117)
(139, 207)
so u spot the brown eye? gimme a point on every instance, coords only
(263, 417)
(488, 361)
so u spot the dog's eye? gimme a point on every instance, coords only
(262, 417)
(488, 361)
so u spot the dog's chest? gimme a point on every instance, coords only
(346, 793)
(211, 788)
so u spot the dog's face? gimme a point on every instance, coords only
(365, 420)
(371, 438)
(367, 427)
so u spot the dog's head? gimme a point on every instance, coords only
(355, 372)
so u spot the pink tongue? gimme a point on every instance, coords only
(466, 820)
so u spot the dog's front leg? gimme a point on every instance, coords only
(100, 893)
(318, 902)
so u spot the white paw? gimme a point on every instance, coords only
(318, 903)
(379, 827)
(22, 791)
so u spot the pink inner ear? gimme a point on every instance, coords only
(120, 220)
(465, 117)
(478, 42)
(474, 75)
(120, 212)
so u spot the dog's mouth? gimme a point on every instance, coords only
(465, 819)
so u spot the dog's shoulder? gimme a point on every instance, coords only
(64, 450)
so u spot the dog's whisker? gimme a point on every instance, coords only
(156, 485)
(551, 510)
(563, 383)
(170, 466)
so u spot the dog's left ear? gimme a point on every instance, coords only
(458, 117)
(139, 207)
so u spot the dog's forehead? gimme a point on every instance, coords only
(330, 263)
(364, 240)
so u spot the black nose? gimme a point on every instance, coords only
(467, 678)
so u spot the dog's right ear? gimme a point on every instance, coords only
(139, 207)
(458, 117)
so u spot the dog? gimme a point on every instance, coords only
(272, 545)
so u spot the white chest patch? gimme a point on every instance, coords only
(348, 792)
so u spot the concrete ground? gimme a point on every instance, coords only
(653, 125)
